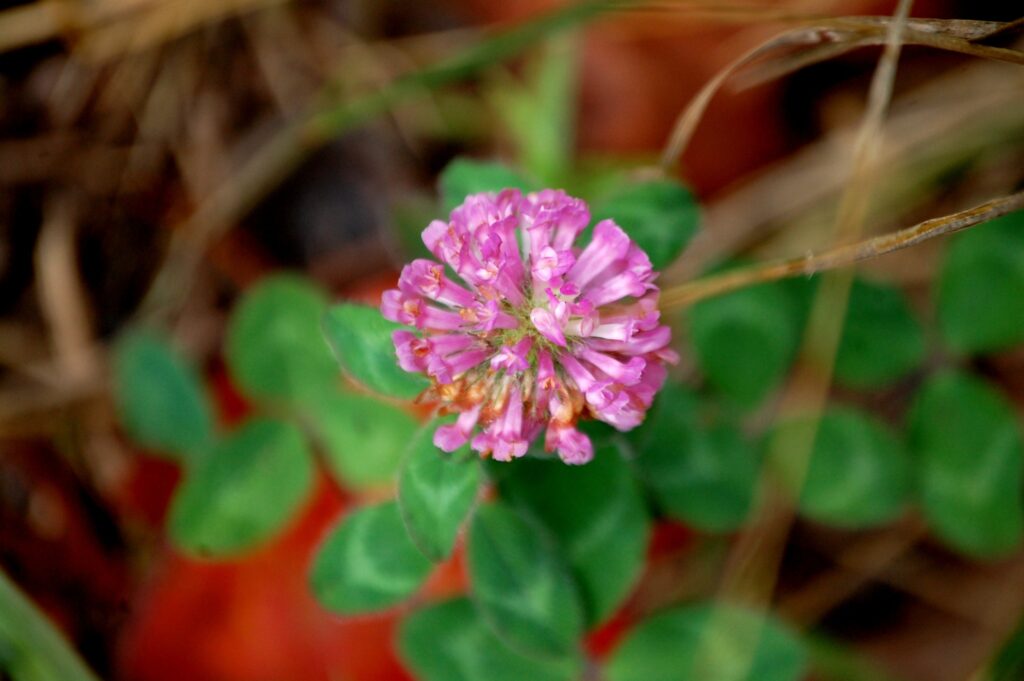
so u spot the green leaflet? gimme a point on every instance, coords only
(521, 586)
(704, 475)
(436, 491)
(661, 216)
(363, 437)
(745, 341)
(275, 347)
(449, 642)
(858, 473)
(367, 562)
(160, 398)
(710, 642)
(465, 176)
(596, 514)
(244, 492)
(967, 441)
(361, 339)
(882, 341)
(981, 287)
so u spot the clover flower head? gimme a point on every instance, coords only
(539, 332)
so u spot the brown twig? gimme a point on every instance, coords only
(840, 256)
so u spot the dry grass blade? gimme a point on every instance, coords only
(1010, 31)
(840, 256)
(34, 23)
(753, 566)
(686, 123)
(709, 10)
(158, 24)
(61, 296)
(963, 118)
(967, 29)
(320, 122)
(864, 561)
(109, 28)
(954, 35)
(824, 40)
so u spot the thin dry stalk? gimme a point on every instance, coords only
(220, 208)
(863, 562)
(28, 410)
(752, 569)
(689, 293)
(35, 23)
(989, 596)
(823, 40)
(108, 29)
(320, 122)
(849, 33)
(62, 298)
(277, 43)
(961, 119)
(158, 24)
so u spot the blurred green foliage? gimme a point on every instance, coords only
(539, 110)
(31, 647)
(271, 348)
(596, 516)
(882, 340)
(560, 551)
(368, 562)
(465, 176)
(981, 287)
(660, 215)
(361, 339)
(699, 472)
(243, 493)
(711, 642)
(858, 474)
(467, 649)
(522, 585)
(966, 438)
(160, 397)
(745, 341)
(1008, 664)
(362, 438)
(436, 492)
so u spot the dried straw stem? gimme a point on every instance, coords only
(839, 256)
(817, 40)
(752, 569)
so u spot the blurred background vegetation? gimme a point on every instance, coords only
(185, 187)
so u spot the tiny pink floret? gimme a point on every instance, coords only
(534, 333)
